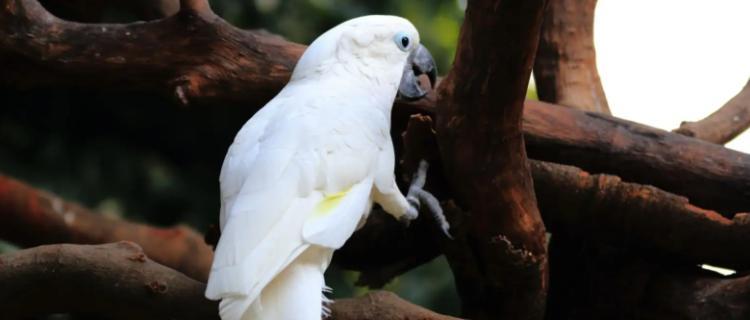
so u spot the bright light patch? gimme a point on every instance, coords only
(663, 62)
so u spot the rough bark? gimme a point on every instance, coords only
(565, 66)
(246, 67)
(710, 175)
(193, 55)
(117, 280)
(30, 217)
(239, 68)
(724, 124)
(504, 275)
(602, 208)
(121, 282)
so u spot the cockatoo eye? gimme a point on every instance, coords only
(403, 41)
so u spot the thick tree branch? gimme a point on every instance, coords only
(724, 124)
(193, 55)
(245, 68)
(118, 280)
(565, 66)
(504, 274)
(605, 209)
(30, 217)
(710, 175)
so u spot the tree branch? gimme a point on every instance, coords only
(121, 282)
(231, 67)
(116, 280)
(504, 275)
(565, 66)
(605, 209)
(710, 175)
(724, 124)
(30, 217)
(193, 55)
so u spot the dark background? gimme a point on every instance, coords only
(148, 159)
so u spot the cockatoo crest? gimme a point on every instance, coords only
(367, 43)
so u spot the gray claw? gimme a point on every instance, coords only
(417, 195)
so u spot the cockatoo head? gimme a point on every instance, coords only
(384, 49)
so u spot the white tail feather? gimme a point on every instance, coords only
(294, 294)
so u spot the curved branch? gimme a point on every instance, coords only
(110, 279)
(724, 124)
(31, 217)
(122, 283)
(482, 148)
(193, 56)
(231, 67)
(565, 66)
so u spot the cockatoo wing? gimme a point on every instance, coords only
(290, 180)
(336, 216)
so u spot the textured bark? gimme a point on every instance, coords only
(602, 208)
(30, 217)
(724, 124)
(565, 66)
(504, 275)
(118, 280)
(231, 67)
(710, 175)
(192, 56)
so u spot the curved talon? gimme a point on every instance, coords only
(414, 201)
(417, 195)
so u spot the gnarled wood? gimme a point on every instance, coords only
(245, 68)
(504, 276)
(118, 280)
(710, 175)
(565, 66)
(602, 208)
(193, 55)
(724, 124)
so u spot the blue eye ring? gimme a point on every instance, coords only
(403, 41)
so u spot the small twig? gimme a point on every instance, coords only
(724, 124)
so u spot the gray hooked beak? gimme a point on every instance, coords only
(419, 62)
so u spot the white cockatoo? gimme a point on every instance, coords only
(304, 171)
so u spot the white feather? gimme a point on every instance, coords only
(326, 134)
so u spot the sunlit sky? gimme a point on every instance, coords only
(665, 61)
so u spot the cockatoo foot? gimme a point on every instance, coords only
(418, 195)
